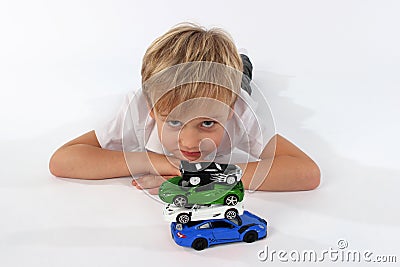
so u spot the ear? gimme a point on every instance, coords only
(152, 114)
(231, 112)
(151, 110)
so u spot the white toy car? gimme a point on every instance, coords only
(184, 215)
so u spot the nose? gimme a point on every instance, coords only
(189, 139)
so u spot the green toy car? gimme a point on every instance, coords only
(173, 192)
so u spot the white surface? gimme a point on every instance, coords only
(329, 68)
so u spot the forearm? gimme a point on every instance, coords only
(282, 173)
(91, 162)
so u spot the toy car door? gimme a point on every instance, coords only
(224, 231)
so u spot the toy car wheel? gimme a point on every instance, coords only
(231, 200)
(231, 179)
(231, 214)
(199, 244)
(194, 180)
(250, 237)
(180, 201)
(183, 218)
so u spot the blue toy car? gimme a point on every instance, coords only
(202, 234)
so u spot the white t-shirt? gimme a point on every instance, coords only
(132, 129)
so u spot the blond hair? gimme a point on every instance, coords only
(190, 43)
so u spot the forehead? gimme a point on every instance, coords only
(199, 108)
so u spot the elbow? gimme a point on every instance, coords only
(312, 176)
(56, 167)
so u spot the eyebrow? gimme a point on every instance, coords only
(217, 117)
(173, 118)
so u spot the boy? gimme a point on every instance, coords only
(175, 118)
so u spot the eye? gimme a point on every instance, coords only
(174, 123)
(207, 124)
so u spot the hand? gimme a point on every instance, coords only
(162, 165)
(150, 182)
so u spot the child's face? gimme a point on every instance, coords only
(194, 129)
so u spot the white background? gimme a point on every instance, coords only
(330, 70)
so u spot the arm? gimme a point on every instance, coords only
(84, 158)
(288, 169)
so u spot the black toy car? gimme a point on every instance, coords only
(203, 173)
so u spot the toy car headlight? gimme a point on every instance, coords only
(178, 227)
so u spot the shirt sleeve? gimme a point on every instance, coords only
(257, 126)
(111, 134)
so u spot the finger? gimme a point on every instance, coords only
(141, 181)
(135, 184)
(153, 191)
(138, 186)
(150, 181)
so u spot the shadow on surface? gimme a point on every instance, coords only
(349, 190)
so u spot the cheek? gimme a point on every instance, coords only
(212, 141)
(168, 138)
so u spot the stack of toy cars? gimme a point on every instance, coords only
(204, 206)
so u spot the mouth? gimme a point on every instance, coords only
(191, 155)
